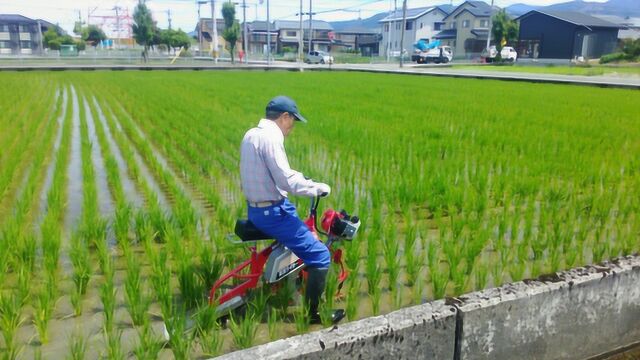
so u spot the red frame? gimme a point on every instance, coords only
(257, 262)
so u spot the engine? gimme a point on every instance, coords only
(340, 224)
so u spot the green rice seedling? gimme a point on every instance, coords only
(23, 288)
(352, 298)
(191, 287)
(179, 342)
(11, 319)
(497, 271)
(375, 294)
(81, 271)
(137, 302)
(283, 295)
(331, 287)
(114, 346)
(459, 279)
(272, 324)
(121, 224)
(300, 317)
(42, 313)
(211, 265)
(77, 346)
(148, 347)
(417, 290)
(108, 298)
(51, 240)
(211, 341)
(439, 282)
(259, 301)
(391, 248)
(412, 255)
(205, 318)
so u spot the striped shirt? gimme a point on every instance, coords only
(264, 167)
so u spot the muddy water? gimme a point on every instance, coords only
(74, 171)
(144, 170)
(128, 186)
(105, 200)
(42, 207)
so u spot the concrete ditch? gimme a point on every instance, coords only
(581, 313)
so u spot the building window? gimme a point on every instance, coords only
(420, 25)
(5, 45)
(395, 46)
(25, 28)
(409, 25)
(465, 23)
(291, 34)
(386, 27)
(397, 26)
(484, 23)
(25, 44)
(437, 26)
(453, 25)
(4, 28)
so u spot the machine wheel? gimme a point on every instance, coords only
(445, 60)
(322, 61)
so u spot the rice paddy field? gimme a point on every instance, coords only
(117, 191)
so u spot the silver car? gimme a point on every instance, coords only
(318, 57)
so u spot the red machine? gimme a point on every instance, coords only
(276, 262)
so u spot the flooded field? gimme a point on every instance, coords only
(117, 191)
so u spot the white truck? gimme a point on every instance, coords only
(438, 55)
(507, 54)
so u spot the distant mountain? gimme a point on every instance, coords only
(370, 23)
(516, 10)
(623, 8)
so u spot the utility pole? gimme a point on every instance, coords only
(245, 43)
(301, 33)
(40, 36)
(268, 36)
(215, 31)
(169, 16)
(310, 26)
(404, 26)
(489, 31)
(199, 28)
(117, 9)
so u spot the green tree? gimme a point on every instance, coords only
(143, 27)
(174, 39)
(93, 35)
(51, 35)
(505, 30)
(232, 27)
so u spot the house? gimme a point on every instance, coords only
(288, 35)
(257, 41)
(466, 28)
(422, 24)
(20, 35)
(365, 41)
(631, 25)
(550, 34)
(206, 26)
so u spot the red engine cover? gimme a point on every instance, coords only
(328, 218)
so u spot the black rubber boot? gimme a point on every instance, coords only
(316, 281)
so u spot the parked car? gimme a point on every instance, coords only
(441, 54)
(318, 57)
(507, 53)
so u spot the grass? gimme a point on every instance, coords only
(591, 70)
(454, 196)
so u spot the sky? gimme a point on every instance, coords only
(184, 13)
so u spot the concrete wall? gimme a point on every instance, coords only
(577, 314)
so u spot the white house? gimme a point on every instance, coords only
(422, 23)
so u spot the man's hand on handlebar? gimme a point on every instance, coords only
(323, 190)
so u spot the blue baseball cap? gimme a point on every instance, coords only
(285, 104)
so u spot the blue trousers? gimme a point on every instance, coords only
(281, 222)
